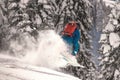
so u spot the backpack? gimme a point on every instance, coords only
(69, 29)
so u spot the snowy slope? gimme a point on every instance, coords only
(13, 69)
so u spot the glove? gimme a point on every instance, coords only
(74, 53)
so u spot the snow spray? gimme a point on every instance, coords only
(47, 51)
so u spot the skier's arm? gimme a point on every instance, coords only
(76, 45)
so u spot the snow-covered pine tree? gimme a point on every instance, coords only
(18, 23)
(110, 46)
(98, 12)
(3, 25)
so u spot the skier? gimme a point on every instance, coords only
(71, 36)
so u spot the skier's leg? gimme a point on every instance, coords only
(75, 48)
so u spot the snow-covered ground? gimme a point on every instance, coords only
(39, 62)
(13, 69)
(40, 59)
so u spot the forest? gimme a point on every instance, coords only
(21, 22)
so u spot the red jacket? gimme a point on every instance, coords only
(69, 29)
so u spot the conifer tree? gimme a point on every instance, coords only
(110, 46)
